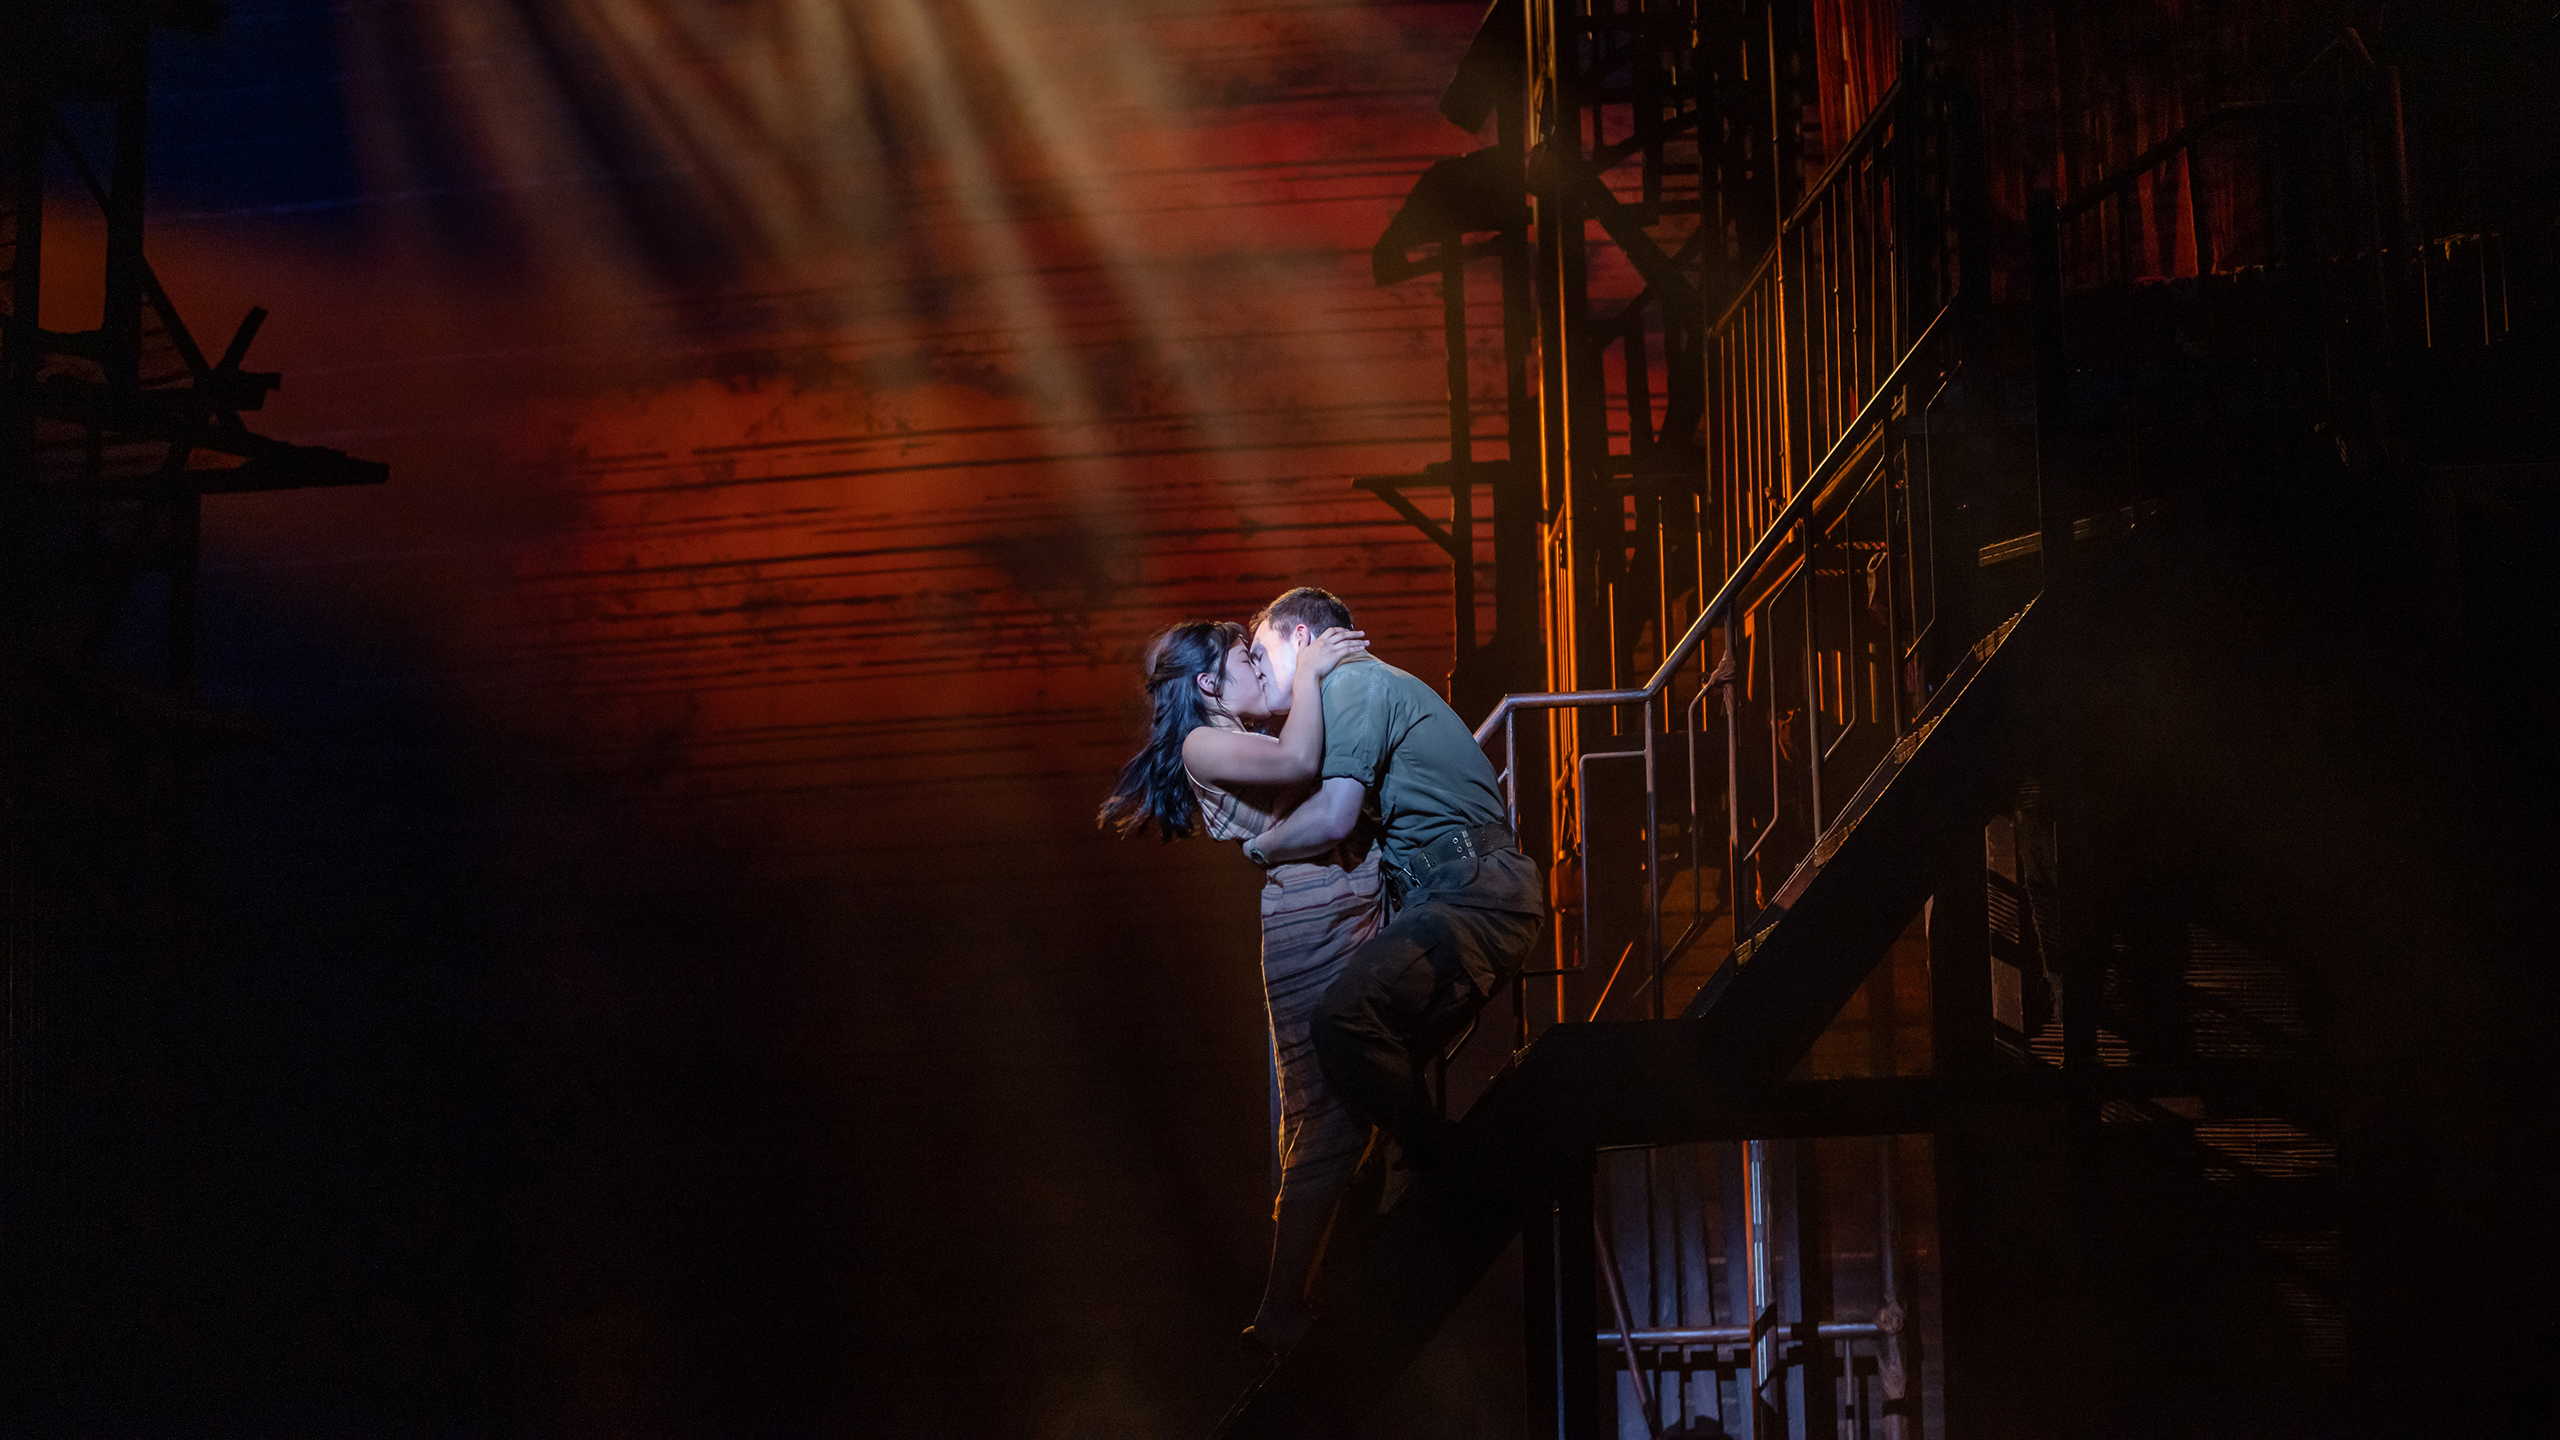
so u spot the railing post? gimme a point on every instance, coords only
(1910, 206)
(1812, 682)
(1733, 777)
(1763, 1367)
(120, 314)
(1581, 868)
(1733, 1175)
(1695, 847)
(2059, 506)
(1511, 810)
(1652, 860)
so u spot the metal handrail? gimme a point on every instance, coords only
(2151, 159)
(1746, 570)
(1876, 124)
(2186, 140)
(1888, 110)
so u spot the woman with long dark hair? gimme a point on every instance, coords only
(1207, 769)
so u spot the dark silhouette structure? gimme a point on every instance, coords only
(2036, 522)
(110, 439)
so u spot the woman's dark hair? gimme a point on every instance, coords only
(1153, 788)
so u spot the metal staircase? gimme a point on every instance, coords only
(1899, 565)
(1815, 659)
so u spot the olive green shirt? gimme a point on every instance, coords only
(1423, 769)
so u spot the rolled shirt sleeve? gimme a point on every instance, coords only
(1356, 740)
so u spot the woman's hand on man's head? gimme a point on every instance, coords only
(1332, 648)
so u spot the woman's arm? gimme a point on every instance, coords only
(1241, 757)
(1326, 819)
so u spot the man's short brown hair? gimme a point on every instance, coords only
(1318, 610)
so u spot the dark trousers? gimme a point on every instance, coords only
(1401, 997)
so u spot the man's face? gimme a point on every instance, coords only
(1275, 656)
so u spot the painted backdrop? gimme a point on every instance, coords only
(660, 975)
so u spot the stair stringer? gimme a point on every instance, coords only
(1392, 1280)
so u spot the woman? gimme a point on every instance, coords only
(1204, 767)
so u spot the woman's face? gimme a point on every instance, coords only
(1240, 685)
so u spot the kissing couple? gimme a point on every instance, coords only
(1395, 898)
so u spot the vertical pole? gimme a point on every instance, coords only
(1969, 197)
(1781, 282)
(1558, 538)
(1581, 873)
(1812, 683)
(1891, 1376)
(1762, 1345)
(1511, 799)
(1542, 1326)
(21, 348)
(21, 1027)
(1913, 214)
(1974, 1303)
(1577, 1305)
(2053, 493)
(1511, 770)
(2061, 505)
(2199, 212)
(1453, 334)
(1803, 1283)
(1694, 844)
(1597, 529)
(121, 324)
(1653, 858)
(2407, 194)
(1462, 531)
(1463, 680)
(185, 547)
(1519, 573)
(185, 556)
(1884, 1057)
(21, 345)
(2412, 246)
(1733, 1177)
(1733, 778)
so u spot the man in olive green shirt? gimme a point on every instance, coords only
(1469, 905)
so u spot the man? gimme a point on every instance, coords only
(1469, 904)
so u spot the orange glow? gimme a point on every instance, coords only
(1020, 332)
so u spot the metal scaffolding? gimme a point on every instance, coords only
(110, 438)
(1811, 491)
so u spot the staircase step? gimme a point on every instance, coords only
(1716, 1073)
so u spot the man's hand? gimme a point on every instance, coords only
(1326, 819)
(1723, 673)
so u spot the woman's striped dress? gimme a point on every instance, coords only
(1314, 914)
